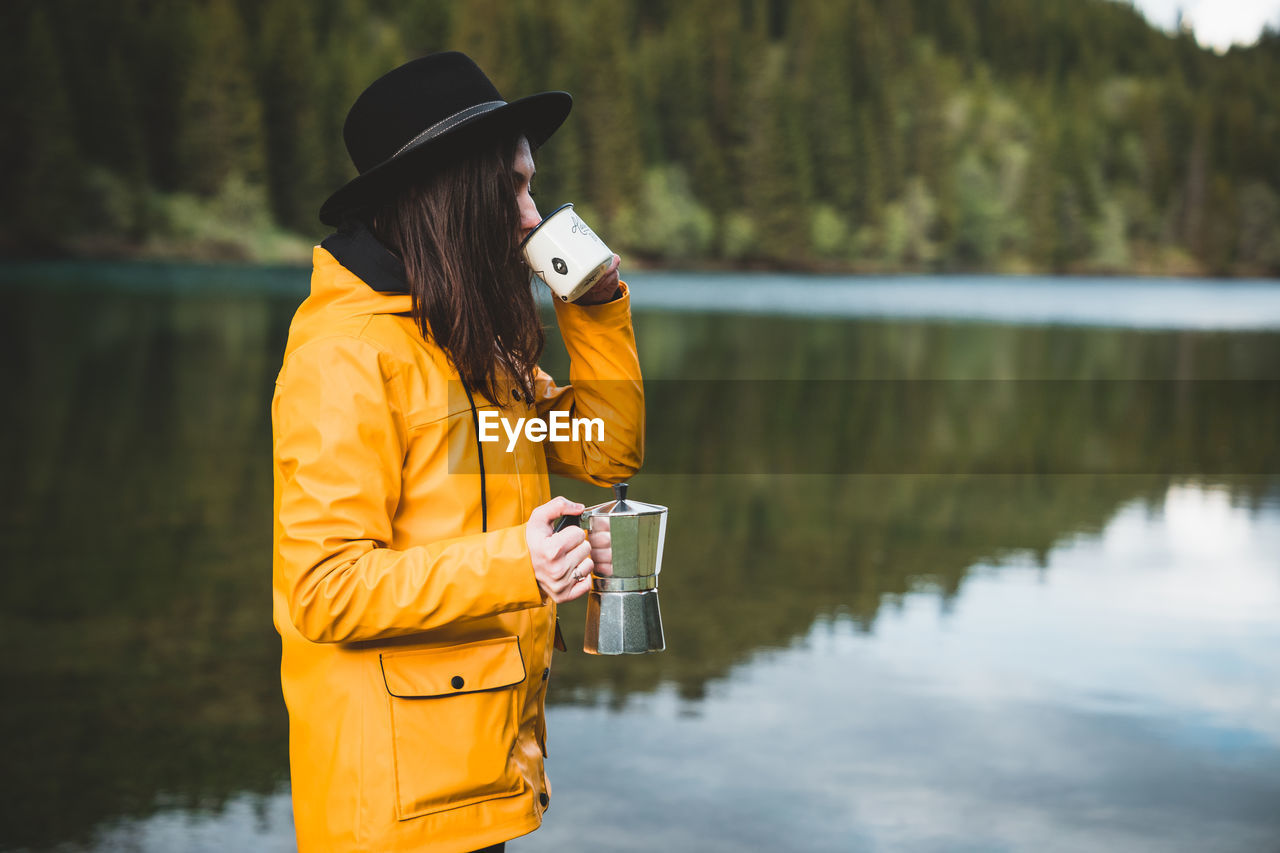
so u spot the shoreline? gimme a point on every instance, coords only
(288, 250)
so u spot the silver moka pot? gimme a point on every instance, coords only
(622, 608)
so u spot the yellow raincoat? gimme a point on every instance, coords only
(416, 648)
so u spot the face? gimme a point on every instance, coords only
(522, 172)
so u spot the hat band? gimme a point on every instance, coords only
(448, 123)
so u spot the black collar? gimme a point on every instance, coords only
(354, 246)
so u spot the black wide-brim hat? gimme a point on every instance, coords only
(425, 114)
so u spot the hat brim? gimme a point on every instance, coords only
(537, 117)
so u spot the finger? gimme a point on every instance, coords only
(579, 579)
(603, 290)
(565, 541)
(582, 587)
(560, 572)
(608, 282)
(573, 559)
(546, 515)
(575, 577)
(555, 547)
(601, 550)
(602, 556)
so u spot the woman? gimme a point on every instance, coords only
(416, 578)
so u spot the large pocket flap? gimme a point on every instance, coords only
(451, 670)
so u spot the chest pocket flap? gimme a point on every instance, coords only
(453, 670)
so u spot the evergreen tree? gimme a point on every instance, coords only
(46, 173)
(487, 31)
(827, 101)
(1038, 201)
(608, 112)
(774, 193)
(291, 116)
(159, 72)
(123, 145)
(356, 48)
(220, 118)
(866, 154)
(1060, 134)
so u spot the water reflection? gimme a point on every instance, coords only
(1017, 299)
(136, 613)
(846, 653)
(1083, 701)
(1095, 701)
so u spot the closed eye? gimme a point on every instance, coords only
(520, 181)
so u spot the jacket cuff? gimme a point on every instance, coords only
(615, 313)
(515, 574)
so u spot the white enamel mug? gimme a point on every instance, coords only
(565, 253)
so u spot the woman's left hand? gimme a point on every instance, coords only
(604, 288)
(562, 563)
(601, 548)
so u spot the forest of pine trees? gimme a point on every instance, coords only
(865, 135)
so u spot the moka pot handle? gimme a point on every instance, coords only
(566, 521)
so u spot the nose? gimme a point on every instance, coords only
(529, 217)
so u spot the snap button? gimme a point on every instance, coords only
(544, 800)
(546, 673)
(457, 682)
(515, 393)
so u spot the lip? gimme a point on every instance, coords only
(544, 221)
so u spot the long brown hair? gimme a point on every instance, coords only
(456, 230)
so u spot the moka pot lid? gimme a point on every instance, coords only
(620, 506)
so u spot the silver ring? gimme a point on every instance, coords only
(576, 577)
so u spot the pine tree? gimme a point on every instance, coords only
(608, 113)
(46, 174)
(123, 145)
(159, 71)
(487, 31)
(1038, 202)
(774, 194)
(291, 121)
(356, 48)
(827, 101)
(220, 116)
(783, 115)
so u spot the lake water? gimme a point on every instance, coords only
(953, 564)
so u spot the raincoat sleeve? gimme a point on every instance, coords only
(340, 440)
(605, 383)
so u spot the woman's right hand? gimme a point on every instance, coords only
(561, 561)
